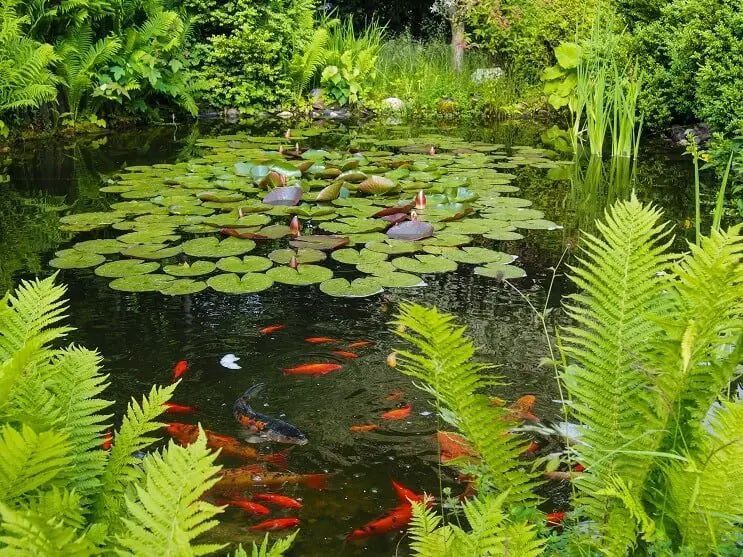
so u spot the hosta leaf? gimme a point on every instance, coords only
(126, 268)
(231, 283)
(359, 288)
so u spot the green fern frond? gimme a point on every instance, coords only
(265, 549)
(428, 537)
(59, 505)
(305, 65)
(30, 460)
(617, 488)
(167, 513)
(444, 369)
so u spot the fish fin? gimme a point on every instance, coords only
(279, 459)
(317, 481)
(241, 404)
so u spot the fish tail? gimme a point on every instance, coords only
(278, 459)
(241, 404)
(317, 481)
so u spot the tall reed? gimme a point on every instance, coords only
(626, 122)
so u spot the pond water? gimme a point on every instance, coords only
(142, 335)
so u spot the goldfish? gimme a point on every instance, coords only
(345, 354)
(186, 434)
(258, 427)
(272, 329)
(243, 477)
(275, 524)
(579, 468)
(173, 408)
(280, 500)
(396, 519)
(555, 518)
(522, 409)
(365, 427)
(320, 340)
(397, 413)
(404, 494)
(531, 449)
(453, 446)
(392, 359)
(179, 369)
(312, 369)
(244, 504)
(360, 344)
(394, 395)
(108, 439)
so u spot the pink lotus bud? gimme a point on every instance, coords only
(413, 215)
(432, 151)
(294, 226)
(293, 263)
(420, 200)
(288, 133)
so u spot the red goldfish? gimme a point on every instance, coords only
(396, 519)
(360, 344)
(397, 413)
(365, 427)
(272, 329)
(108, 439)
(345, 354)
(312, 369)
(394, 395)
(522, 409)
(555, 518)
(179, 369)
(531, 449)
(173, 408)
(320, 340)
(454, 446)
(244, 504)
(275, 524)
(579, 468)
(404, 494)
(280, 500)
(233, 479)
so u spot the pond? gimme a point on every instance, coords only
(142, 335)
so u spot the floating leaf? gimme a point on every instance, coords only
(182, 287)
(243, 168)
(359, 288)
(503, 235)
(304, 255)
(301, 276)
(74, 259)
(476, 255)
(376, 268)
(400, 280)
(425, 264)
(355, 257)
(230, 283)
(104, 247)
(500, 271)
(354, 225)
(220, 196)
(410, 230)
(353, 177)
(146, 237)
(152, 251)
(190, 270)
(376, 185)
(393, 247)
(233, 220)
(323, 242)
(284, 196)
(126, 268)
(248, 264)
(141, 283)
(83, 222)
(212, 247)
(447, 240)
(537, 224)
(329, 193)
(352, 201)
(134, 207)
(469, 226)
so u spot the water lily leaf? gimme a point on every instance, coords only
(315, 154)
(376, 268)
(328, 193)
(151, 251)
(397, 209)
(469, 226)
(304, 255)
(301, 276)
(324, 242)
(537, 224)
(257, 172)
(503, 235)
(147, 237)
(500, 271)
(400, 280)
(234, 220)
(366, 237)
(182, 287)
(179, 209)
(355, 257)
(220, 196)
(141, 283)
(352, 177)
(190, 270)
(305, 210)
(422, 264)
(74, 259)
(376, 185)
(104, 247)
(476, 255)
(284, 196)
(359, 288)
(134, 207)
(212, 247)
(393, 247)
(397, 174)
(126, 268)
(447, 240)
(243, 168)
(248, 264)
(83, 222)
(514, 213)
(230, 283)
(352, 201)
(354, 225)
(410, 230)
(460, 195)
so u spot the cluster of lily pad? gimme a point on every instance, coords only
(411, 209)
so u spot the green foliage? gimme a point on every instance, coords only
(561, 79)
(279, 548)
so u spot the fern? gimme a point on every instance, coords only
(279, 548)
(306, 63)
(444, 369)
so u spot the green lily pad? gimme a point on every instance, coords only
(425, 264)
(230, 283)
(468, 226)
(400, 280)
(234, 220)
(500, 271)
(376, 185)
(376, 268)
(212, 247)
(394, 247)
(503, 235)
(319, 241)
(248, 264)
(134, 207)
(476, 255)
(301, 276)
(151, 251)
(181, 209)
(126, 268)
(104, 247)
(147, 237)
(355, 257)
(141, 283)
(74, 259)
(82, 222)
(537, 224)
(352, 201)
(190, 270)
(329, 193)
(508, 213)
(365, 238)
(182, 287)
(359, 288)
(447, 240)
(304, 255)
(354, 225)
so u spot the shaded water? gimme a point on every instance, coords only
(141, 336)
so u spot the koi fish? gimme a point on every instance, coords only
(243, 477)
(312, 369)
(272, 329)
(579, 468)
(320, 340)
(259, 428)
(556, 518)
(396, 519)
(397, 413)
(280, 500)
(394, 396)
(453, 446)
(173, 408)
(275, 524)
(345, 354)
(360, 344)
(186, 434)
(244, 504)
(531, 449)
(179, 369)
(108, 440)
(404, 494)
(365, 427)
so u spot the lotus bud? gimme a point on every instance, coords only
(420, 200)
(296, 148)
(392, 360)
(281, 149)
(413, 215)
(294, 226)
(293, 263)
(288, 133)
(432, 150)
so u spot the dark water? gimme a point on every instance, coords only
(141, 336)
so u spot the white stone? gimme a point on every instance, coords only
(392, 103)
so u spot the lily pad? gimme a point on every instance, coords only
(190, 270)
(248, 264)
(103, 247)
(151, 251)
(182, 287)
(304, 255)
(447, 240)
(83, 222)
(503, 235)
(376, 268)
(410, 230)
(74, 259)
(476, 255)
(376, 185)
(126, 268)
(329, 193)
(147, 237)
(422, 264)
(359, 288)
(354, 225)
(141, 283)
(212, 247)
(355, 257)
(301, 276)
(394, 247)
(234, 220)
(134, 207)
(400, 280)
(230, 283)
(220, 196)
(500, 271)
(537, 224)
(284, 196)
(324, 242)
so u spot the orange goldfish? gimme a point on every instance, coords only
(272, 329)
(454, 446)
(404, 494)
(244, 504)
(365, 427)
(555, 518)
(312, 369)
(173, 408)
(394, 396)
(360, 344)
(522, 409)
(233, 479)
(108, 439)
(345, 354)
(320, 340)
(179, 369)
(397, 413)
(275, 524)
(396, 519)
(280, 500)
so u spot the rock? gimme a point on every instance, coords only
(339, 114)
(393, 104)
(680, 134)
(316, 96)
(232, 115)
(285, 114)
(483, 75)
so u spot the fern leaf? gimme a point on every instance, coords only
(429, 538)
